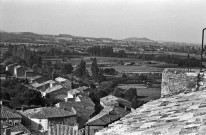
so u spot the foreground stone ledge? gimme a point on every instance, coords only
(181, 114)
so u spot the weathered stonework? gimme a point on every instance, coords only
(180, 111)
(175, 81)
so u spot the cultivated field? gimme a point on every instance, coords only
(112, 62)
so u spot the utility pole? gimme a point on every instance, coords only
(202, 49)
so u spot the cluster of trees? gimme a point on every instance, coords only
(110, 71)
(18, 94)
(129, 95)
(100, 51)
(55, 51)
(22, 56)
(105, 51)
(180, 61)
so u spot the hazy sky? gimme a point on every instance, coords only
(171, 20)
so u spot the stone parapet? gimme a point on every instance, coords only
(175, 81)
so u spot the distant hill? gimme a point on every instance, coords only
(1, 31)
(136, 39)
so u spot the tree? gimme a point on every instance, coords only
(124, 75)
(95, 69)
(6, 55)
(110, 71)
(101, 76)
(31, 97)
(130, 93)
(135, 103)
(5, 95)
(81, 69)
(66, 68)
(118, 92)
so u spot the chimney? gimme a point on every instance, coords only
(51, 84)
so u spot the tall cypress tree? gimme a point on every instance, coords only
(94, 69)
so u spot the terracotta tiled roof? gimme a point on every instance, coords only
(107, 116)
(47, 112)
(7, 113)
(85, 107)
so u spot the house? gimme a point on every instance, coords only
(64, 82)
(9, 116)
(43, 86)
(107, 116)
(111, 100)
(72, 95)
(55, 90)
(44, 117)
(10, 68)
(19, 71)
(84, 108)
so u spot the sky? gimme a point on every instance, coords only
(167, 20)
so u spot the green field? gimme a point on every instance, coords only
(147, 94)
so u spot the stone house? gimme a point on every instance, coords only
(10, 68)
(83, 106)
(44, 117)
(19, 71)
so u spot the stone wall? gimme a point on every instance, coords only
(175, 81)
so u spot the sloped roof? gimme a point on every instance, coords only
(180, 114)
(85, 107)
(7, 113)
(36, 85)
(73, 91)
(55, 88)
(35, 77)
(19, 128)
(60, 79)
(107, 116)
(47, 112)
(82, 88)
